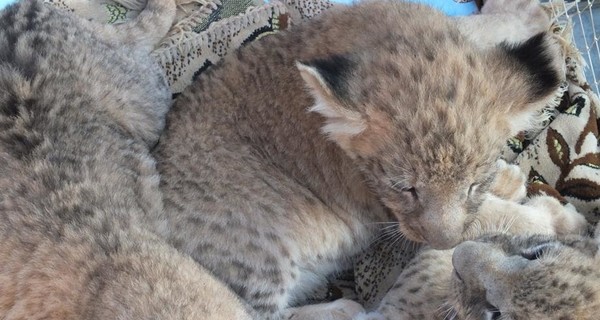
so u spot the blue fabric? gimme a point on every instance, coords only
(4, 3)
(449, 7)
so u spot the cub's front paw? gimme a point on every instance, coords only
(529, 12)
(526, 8)
(509, 182)
(564, 218)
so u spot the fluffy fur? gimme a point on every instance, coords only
(80, 104)
(499, 277)
(505, 20)
(276, 163)
(527, 278)
(514, 275)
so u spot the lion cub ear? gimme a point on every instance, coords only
(530, 76)
(328, 81)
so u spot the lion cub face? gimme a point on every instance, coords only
(538, 277)
(425, 125)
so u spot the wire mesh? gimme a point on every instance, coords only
(585, 18)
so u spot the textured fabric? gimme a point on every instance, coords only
(104, 11)
(187, 53)
(211, 30)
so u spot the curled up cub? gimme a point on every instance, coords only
(537, 277)
(276, 163)
(527, 261)
(499, 276)
(80, 105)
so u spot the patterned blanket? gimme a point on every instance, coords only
(561, 159)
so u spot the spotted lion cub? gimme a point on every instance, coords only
(526, 256)
(511, 213)
(276, 163)
(500, 276)
(80, 105)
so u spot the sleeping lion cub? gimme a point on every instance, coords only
(499, 276)
(277, 162)
(80, 105)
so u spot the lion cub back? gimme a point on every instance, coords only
(78, 113)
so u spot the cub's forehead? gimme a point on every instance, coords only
(434, 171)
(399, 74)
(450, 154)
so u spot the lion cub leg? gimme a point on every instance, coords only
(539, 215)
(509, 182)
(506, 209)
(510, 21)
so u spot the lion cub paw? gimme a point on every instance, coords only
(509, 182)
(564, 218)
(529, 12)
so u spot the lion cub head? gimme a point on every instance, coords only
(425, 121)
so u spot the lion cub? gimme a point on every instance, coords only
(276, 163)
(80, 105)
(500, 276)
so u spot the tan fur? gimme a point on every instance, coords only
(505, 20)
(428, 290)
(276, 163)
(503, 210)
(511, 184)
(440, 160)
(79, 110)
(144, 281)
(561, 284)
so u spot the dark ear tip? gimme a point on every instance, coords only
(538, 59)
(334, 59)
(335, 71)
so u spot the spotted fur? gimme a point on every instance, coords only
(517, 278)
(502, 273)
(499, 277)
(276, 163)
(80, 105)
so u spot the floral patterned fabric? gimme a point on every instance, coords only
(563, 160)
